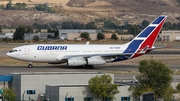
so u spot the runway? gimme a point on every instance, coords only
(121, 72)
(57, 68)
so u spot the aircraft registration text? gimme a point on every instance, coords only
(114, 47)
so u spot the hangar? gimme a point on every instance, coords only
(59, 86)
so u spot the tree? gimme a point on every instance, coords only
(29, 29)
(167, 25)
(9, 5)
(85, 35)
(41, 7)
(100, 36)
(102, 87)
(178, 87)
(67, 25)
(109, 25)
(19, 33)
(56, 32)
(76, 25)
(114, 36)
(36, 38)
(45, 8)
(21, 6)
(2, 6)
(134, 29)
(82, 26)
(90, 25)
(145, 23)
(9, 94)
(154, 76)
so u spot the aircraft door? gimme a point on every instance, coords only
(26, 52)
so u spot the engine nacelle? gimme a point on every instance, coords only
(96, 60)
(77, 61)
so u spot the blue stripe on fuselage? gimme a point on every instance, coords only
(121, 58)
(146, 32)
(158, 20)
(133, 46)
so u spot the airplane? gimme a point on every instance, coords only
(88, 55)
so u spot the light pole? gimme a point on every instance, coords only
(23, 94)
(48, 98)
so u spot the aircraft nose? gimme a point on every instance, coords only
(8, 54)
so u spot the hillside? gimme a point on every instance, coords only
(132, 11)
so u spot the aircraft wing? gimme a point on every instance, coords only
(102, 55)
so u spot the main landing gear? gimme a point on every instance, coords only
(89, 66)
(30, 65)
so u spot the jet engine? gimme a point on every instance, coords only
(96, 60)
(76, 61)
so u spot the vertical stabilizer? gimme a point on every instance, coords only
(147, 37)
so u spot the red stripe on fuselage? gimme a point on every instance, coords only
(150, 40)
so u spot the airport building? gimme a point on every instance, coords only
(170, 35)
(59, 86)
(6, 35)
(124, 37)
(73, 34)
(42, 36)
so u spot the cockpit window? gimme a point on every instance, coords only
(12, 51)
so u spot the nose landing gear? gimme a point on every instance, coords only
(30, 65)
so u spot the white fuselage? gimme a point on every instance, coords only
(31, 53)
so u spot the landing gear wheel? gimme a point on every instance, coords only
(30, 65)
(89, 66)
(86, 66)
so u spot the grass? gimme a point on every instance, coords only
(7, 61)
(6, 48)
